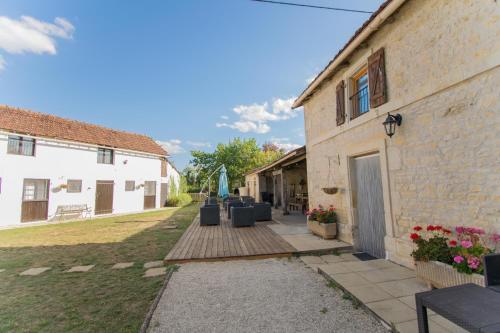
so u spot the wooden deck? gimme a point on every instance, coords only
(223, 242)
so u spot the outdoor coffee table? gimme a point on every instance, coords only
(474, 308)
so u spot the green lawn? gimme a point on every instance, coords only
(101, 300)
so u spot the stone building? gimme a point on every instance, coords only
(436, 64)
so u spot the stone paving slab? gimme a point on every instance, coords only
(153, 264)
(393, 311)
(402, 288)
(80, 269)
(122, 265)
(334, 268)
(157, 271)
(331, 258)
(412, 327)
(309, 242)
(311, 260)
(368, 293)
(350, 280)
(2, 270)
(386, 275)
(357, 266)
(35, 271)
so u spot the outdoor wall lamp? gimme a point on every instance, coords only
(390, 123)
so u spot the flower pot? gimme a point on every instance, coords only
(325, 230)
(441, 275)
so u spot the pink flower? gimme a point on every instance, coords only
(466, 244)
(459, 230)
(473, 262)
(458, 259)
(495, 237)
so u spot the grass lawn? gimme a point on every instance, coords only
(101, 300)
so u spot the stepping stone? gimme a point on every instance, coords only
(2, 270)
(171, 226)
(153, 264)
(155, 272)
(80, 269)
(35, 271)
(122, 265)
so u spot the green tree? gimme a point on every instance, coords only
(239, 156)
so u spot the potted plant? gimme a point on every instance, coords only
(444, 259)
(323, 222)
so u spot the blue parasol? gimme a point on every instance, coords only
(223, 185)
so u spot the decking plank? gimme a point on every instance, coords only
(223, 242)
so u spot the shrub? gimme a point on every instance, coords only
(180, 200)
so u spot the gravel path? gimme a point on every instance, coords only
(273, 295)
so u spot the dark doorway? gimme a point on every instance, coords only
(35, 204)
(149, 194)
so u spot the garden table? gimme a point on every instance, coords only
(474, 308)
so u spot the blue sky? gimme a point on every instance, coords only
(189, 73)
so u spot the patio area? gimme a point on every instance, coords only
(284, 236)
(223, 242)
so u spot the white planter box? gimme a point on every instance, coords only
(440, 275)
(325, 230)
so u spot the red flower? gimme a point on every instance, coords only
(414, 236)
(417, 228)
(453, 243)
(447, 231)
(430, 228)
(438, 227)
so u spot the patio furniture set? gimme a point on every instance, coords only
(241, 211)
(474, 308)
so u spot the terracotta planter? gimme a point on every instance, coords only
(325, 230)
(440, 275)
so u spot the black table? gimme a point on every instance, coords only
(470, 306)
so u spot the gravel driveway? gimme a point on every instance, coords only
(273, 295)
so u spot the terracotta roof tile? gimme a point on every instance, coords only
(44, 125)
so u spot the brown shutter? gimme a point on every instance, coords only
(376, 78)
(340, 96)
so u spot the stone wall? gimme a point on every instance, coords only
(443, 164)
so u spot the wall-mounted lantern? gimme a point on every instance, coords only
(390, 123)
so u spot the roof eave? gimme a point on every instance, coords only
(352, 45)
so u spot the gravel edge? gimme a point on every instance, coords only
(154, 305)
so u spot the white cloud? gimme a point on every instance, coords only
(199, 144)
(29, 35)
(2, 63)
(284, 143)
(224, 117)
(247, 126)
(173, 147)
(255, 117)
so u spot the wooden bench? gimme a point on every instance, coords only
(79, 210)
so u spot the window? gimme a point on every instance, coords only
(35, 189)
(129, 185)
(19, 145)
(105, 156)
(149, 188)
(74, 186)
(360, 99)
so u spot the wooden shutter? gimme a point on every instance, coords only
(340, 97)
(376, 78)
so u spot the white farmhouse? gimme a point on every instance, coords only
(50, 167)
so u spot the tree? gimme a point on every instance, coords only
(239, 156)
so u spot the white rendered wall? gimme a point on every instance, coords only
(59, 162)
(173, 174)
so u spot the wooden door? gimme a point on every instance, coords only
(368, 203)
(149, 194)
(104, 197)
(163, 194)
(35, 201)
